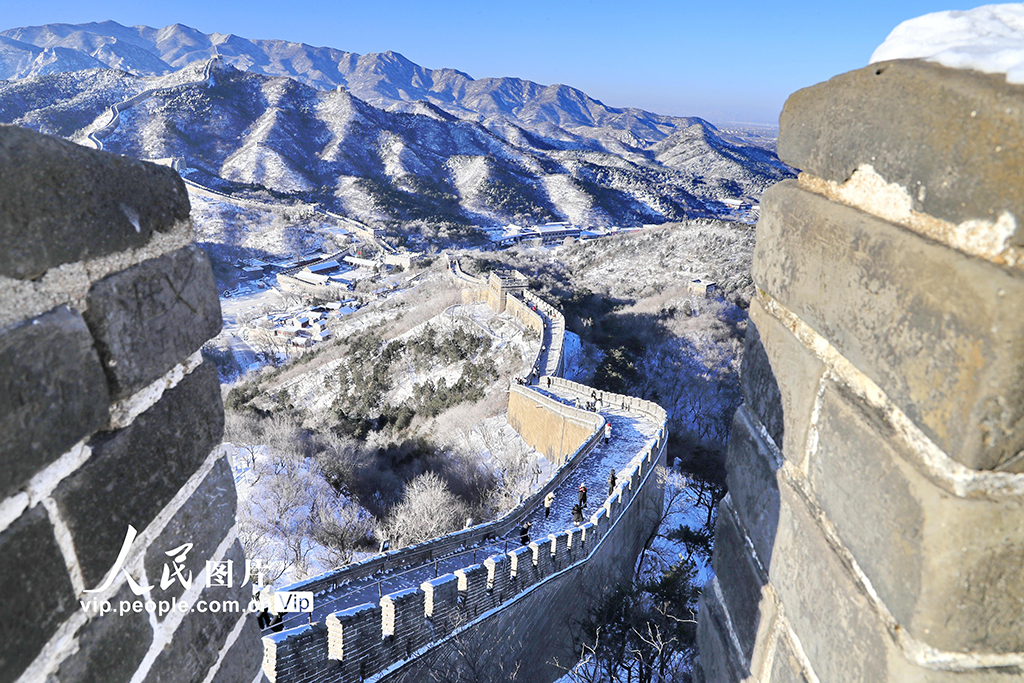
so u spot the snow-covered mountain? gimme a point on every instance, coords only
(383, 80)
(374, 135)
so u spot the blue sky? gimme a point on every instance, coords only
(725, 61)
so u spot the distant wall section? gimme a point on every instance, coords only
(514, 611)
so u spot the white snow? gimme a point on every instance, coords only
(988, 39)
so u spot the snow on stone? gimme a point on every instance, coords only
(988, 39)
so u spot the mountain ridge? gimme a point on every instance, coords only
(382, 79)
(396, 143)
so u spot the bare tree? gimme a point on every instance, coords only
(428, 509)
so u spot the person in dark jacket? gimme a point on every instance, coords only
(524, 533)
(611, 482)
(583, 496)
(577, 514)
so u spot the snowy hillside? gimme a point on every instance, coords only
(375, 136)
(276, 134)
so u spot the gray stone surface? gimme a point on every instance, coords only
(37, 591)
(52, 393)
(61, 202)
(836, 625)
(242, 662)
(719, 660)
(739, 578)
(940, 332)
(110, 646)
(953, 138)
(200, 636)
(135, 471)
(203, 521)
(779, 378)
(149, 317)
(751, 478)
(786, 667)
(927, 553)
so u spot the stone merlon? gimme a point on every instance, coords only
(61, 202)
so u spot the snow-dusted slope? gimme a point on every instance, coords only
(374, 135)
(384, 80)
(278, 134)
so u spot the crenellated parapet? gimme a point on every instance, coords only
(416, 625)
(873, 527)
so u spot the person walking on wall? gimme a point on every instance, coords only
(577, 514)
(607, 432)
(611, 482)
(548, 501)
(583, 496)
(524, 533)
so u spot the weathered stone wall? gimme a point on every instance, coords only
(110, 419)
(874, 527)
(554, 429)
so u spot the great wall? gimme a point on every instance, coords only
(872, 530)
(394, 617)
(111, 421)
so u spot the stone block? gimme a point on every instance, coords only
(52, 393)
(833, 619)
(952, 137)
(202, 521)
(786, 666)
(521, 569)
(498, 574)
(752, 482)
(473, 598)
(299, 654)
(719, 660)
(441, 603)
(940, 332)
(402, 618)
(573, 541)
(61, 202)
(135, 471)
(148, 318)
(779, 378)
(241, 663)
(110, 646)
(928, 554)
(587, 537)
(354, 639)
(560, 550)
(542, 558)
(740, 579)
(201, 635)
(37, 591)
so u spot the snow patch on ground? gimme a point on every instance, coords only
(277, 496)
(988, 39)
